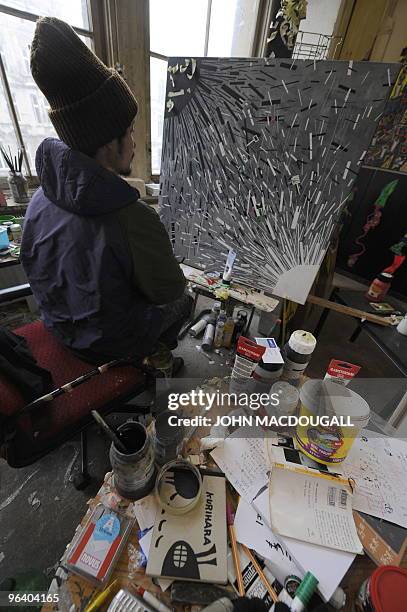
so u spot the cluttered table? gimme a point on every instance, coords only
(244, 459)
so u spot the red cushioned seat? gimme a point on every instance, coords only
(58, 420)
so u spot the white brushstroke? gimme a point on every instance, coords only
(13, 495)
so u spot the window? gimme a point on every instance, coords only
(218, 28)
(17, 25)
(26, 59)
(38, 114)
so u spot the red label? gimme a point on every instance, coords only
(342, 369)
(251, 350)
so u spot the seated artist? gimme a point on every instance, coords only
(99, 261)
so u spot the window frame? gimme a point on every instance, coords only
(262, 19)
(13, 110)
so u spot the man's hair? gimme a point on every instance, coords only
(120, 137)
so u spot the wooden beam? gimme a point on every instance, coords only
(133, 44)
(353, 312)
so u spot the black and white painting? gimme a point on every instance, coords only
(259, 156)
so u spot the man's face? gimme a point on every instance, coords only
(125, 153)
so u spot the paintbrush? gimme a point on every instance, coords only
(230, 517)
(111, 433)
(7, 159)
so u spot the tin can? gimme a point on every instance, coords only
(384, 591)
(133, 472)
(168, 439)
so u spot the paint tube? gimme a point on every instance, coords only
(248, 355)
(227, 274)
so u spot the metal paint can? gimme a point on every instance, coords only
(133, 472)
(384, 591)
(168, 439)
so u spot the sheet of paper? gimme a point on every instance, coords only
(327, 564)
(323, 508)
(145, 511)
(273, 353)
(244, 463)
(145, 543)
(252, 531)
(379, 468)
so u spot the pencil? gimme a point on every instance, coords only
(260, 572)
(235, 552)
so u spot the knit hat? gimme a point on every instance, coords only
(90, 104)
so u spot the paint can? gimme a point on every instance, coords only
(133, 472)
(379, 287)
(167, 439)
(264, 375)
(330, 444)
(384, 591)
(297, 353)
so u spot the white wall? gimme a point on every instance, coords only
(321, 16)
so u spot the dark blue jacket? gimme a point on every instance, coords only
(97, 258)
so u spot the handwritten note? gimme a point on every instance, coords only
(244, 464)
(379, 468)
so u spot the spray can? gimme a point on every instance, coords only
(199, 326)
(220, 326)
(207, 341)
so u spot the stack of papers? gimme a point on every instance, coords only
(244, 462)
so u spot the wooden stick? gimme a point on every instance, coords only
(260, 572)
(236, 561)
(353, 312)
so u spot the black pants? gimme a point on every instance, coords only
(175, 314)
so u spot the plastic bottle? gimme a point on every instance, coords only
(297, 353)
(228, 332)
(240, 324)
(264, 375)
(220, 326)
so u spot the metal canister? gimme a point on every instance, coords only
(384, 591)
(168, 439)
(16, 232)
(134, 472)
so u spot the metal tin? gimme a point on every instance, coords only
(384, 591)
(134, 472)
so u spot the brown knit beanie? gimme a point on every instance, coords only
(91, 104)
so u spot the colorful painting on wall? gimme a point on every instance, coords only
(259, 156)
(389, 145)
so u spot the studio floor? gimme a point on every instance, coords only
(40, 508)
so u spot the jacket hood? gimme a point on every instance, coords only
(77, 183)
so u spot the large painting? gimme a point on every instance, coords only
(259, 156)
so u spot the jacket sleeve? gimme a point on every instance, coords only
(157, 274)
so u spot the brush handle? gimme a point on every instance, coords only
(260, 572)
(109, 432)
(236, 561)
